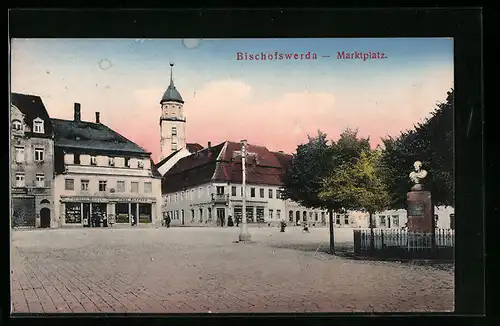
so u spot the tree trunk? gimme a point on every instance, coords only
(332, 237)
(372, 234)
(433, 231)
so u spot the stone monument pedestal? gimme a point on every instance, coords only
(419, 210)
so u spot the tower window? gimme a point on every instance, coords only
(174, 131)
(174, 146)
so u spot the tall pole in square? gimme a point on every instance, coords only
(244, 234)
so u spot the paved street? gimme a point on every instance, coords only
(183, 270)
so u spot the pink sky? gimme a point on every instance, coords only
(273, 106)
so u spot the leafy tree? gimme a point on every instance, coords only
(349, 147)
(312, 162)
(359, 186)
(303, 179)
(430, 142)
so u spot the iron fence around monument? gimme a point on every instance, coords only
(401, 242)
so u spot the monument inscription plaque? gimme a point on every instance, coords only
(416, 209)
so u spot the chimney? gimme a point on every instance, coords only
(280, 152)
(77, 112)
(97, 117)
(209, 144)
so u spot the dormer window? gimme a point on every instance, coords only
(127, 162)
(38, 126)
(111, 161)
(17, 125)
(93, 160)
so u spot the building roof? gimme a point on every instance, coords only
(193, 147)
(90, 136)
(166, 158)
(171, 94)
(222, 163)
(32, 107)
(154, 170)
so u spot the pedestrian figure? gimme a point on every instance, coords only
(306, 228)
(237, 221)
(230, 221)
(168, 220)
(282, 226)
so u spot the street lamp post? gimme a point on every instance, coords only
(244, 234)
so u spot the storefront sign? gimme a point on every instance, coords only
(134, 200)
(416, 209)
(19, 191)
(107, 200)
(85, 199)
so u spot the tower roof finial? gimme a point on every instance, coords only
(171, 94)
(171, 74)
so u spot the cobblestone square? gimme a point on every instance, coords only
(185, 270)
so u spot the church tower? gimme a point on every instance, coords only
(172, 120)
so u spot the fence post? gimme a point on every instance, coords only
(382, 239)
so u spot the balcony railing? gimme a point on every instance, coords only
(220, 198)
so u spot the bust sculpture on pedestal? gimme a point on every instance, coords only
(419, 210)
(417, 175)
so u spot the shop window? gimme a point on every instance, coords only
(73, 213)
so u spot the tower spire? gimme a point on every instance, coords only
(171, 74)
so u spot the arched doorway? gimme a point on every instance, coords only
(45, 218)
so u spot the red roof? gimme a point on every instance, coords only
(222, 163)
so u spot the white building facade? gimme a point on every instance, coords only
(214, 204)
(102, 178)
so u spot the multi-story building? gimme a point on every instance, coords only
(205, 188)
(101, 175)
(31, 153)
